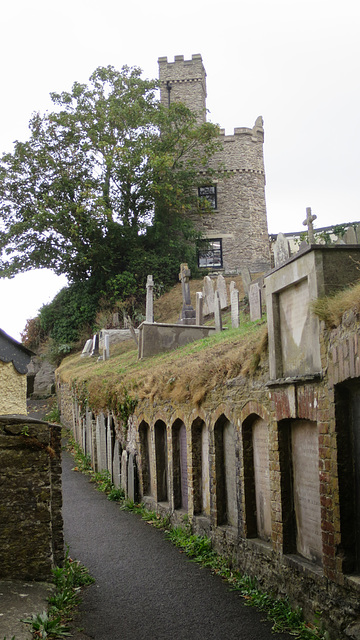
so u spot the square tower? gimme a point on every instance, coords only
(184, 81)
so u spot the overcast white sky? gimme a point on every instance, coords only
(295, 62)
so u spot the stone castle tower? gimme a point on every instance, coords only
(237, 230)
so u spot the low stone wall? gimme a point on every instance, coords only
(31, 526)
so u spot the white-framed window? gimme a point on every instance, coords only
(210, 254)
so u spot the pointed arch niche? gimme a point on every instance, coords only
(180, 468)
(200, 467)
(255, 440)
(225, 469)
(145, 458)
(161, 459)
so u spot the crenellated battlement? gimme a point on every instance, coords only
(184, 81)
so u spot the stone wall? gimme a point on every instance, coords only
(240, 217)
(31, 528)
(13, 389)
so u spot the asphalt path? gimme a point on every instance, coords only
(145, 588)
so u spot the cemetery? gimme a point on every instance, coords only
(262, 462)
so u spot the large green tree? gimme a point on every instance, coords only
(105, 183)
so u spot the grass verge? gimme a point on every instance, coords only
(284, 618)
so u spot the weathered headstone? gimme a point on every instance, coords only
(217, 313)
(349, 236)
(87, 348)
(199, 308)
(246, 279)
(149, 299)
(188, 314)
(124, 473)
(106, 347)
(281, 250)
(95, 346)
(221, 289)
(260, 438)
(208, 293)
(305, 458)
(116, 321)
(235, 309)
(255, 301)
(308, 222)
(116, 473)
(232, 286)
(131, 478)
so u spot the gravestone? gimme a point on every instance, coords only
(260, 439)
(308, 222)
(305, 455)
(221, 289)
(131, 478)
(255, 301)
(232, 286)
(349, 236)
(217, 313)
(199, 308)
(188, 314)
(116, 320)
(357, 231)
(95, 346)
(235, 309)
(208, 293)
(124, 471)
(106, 347)
(149, 299)
(87, 348)
(281, 250)
(116, 471)
(246, 279)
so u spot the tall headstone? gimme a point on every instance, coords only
(281, 250)
(95, 346)
(149, 299)
(188, 314)
(217, 312)
(246, 279)
(132, 478)
(208, 293)
(199, 308)
(116, 321)
(308, 222)
(106, 347)
(232, 286)
(255, 301)
(221, 289)
(124, 471)
(235, 309)
(357, 231)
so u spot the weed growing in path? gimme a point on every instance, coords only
(68, 581)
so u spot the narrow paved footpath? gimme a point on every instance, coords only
(145, 588)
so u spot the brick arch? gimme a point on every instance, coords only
(253, 409)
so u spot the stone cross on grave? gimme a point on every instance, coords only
(188, 314)
(308, 223)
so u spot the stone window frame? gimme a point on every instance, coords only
(209, 253)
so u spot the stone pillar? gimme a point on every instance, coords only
(106, 347)
(217, 312)
(199, 308)
(235, 309)
(150, 299)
